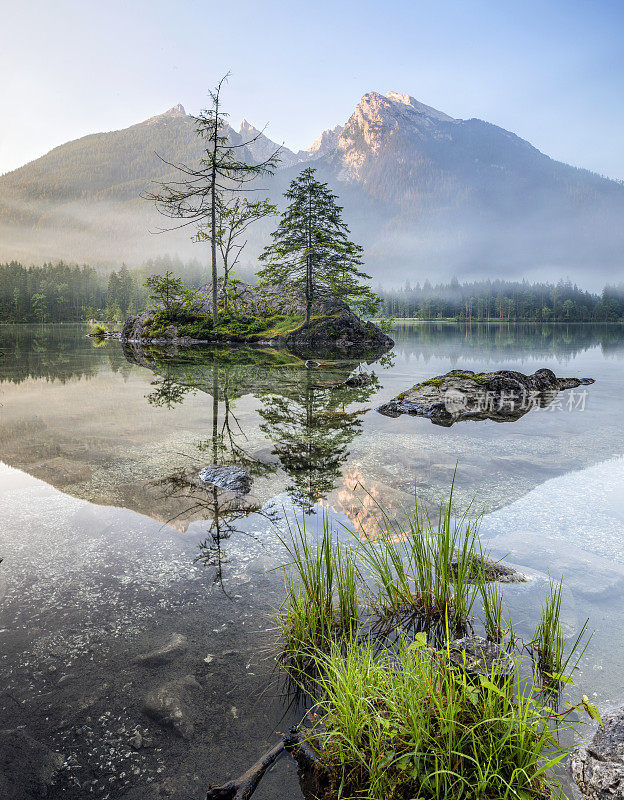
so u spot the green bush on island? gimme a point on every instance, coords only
(98, 330)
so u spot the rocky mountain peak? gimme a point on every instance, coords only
(175, 112)
(378, 120)
(261, 147)
(247, 129)
(326, 142)
(418, 107)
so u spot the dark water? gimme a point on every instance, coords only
(109, 547)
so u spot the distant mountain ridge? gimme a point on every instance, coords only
(424, 192)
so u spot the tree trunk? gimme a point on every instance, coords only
(213, 198)
(225, 283)
(213, 213)
(309, 261)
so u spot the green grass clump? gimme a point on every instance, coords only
(548, 644)
(366, 636)
(480, 378)
(412, 725)
(230, 326)
(322, 600)
(98, 330)
(492, 598)
(426, 566)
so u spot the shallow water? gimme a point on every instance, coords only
(108, 547)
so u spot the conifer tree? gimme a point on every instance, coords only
(195, 198)
(311, 249)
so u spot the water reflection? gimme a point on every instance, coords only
(493, 342)
(116, 584)
(222, 509)
(312, 427)
(308, 414)
(109, 425)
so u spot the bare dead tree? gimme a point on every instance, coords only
(196, 197)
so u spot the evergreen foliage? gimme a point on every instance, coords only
(311, 249)
(505, 300)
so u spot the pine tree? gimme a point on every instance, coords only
(311, 249)
(195, 198)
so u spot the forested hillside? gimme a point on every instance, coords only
(63, 293)
(505, 300)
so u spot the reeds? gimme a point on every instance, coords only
(549, 645)
(322, 596)
(492, 603)
(430, 568)
(412, 725)
(399, 718)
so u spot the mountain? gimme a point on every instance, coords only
(428, 195)
(469, 198)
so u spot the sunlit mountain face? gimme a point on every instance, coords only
(421, 190)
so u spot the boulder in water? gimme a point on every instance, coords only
(227, 476)
(598, 767)
(502, 396)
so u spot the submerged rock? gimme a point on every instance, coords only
(170, 705)
(227, 476)
(492, 570)
(173, 648)
(502, 396)
(27, 767)
(359, 379)
(478, 655)
(598, 768)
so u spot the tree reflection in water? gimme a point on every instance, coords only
(309, 416)
(311, 429)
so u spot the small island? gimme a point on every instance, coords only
(501, 396)
(267, 316)
(311, 291)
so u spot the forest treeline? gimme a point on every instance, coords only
(60, 292)
(504, 300)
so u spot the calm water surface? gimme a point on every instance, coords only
(108, 546)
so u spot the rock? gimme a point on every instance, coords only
(136, 740)
(359, 379)
(478, 655)
(492, 570)
(27, 767)
(459, 395)
(340, 333)
(598, 768)
(169, 705)
(173, 648)
(227, 476)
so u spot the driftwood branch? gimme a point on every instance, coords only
(244, 786)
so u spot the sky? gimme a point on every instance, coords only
(551, 72)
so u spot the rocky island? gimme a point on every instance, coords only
(459, 395)
(268, 316)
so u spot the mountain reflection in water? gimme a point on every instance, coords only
(123, 427)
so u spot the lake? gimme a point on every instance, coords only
(109, 546)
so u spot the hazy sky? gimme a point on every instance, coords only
(552, 72)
